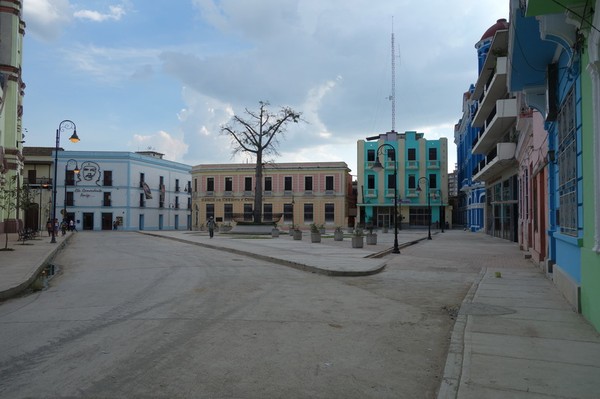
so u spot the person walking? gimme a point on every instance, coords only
(211, 226)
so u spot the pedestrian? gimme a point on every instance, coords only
(211, 226)
(115, 225)
(56, 227)
(71, 225)
(49, 227)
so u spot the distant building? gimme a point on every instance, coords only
(138, 191)
(296, 194)
(37, 172)
(421, 180)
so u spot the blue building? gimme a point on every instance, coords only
(471, 196)
(415, 168)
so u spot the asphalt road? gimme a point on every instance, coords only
(133, 316)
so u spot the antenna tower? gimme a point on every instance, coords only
(393, 81)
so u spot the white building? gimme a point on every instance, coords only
(138, 191)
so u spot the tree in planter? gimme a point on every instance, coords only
(8, 203)
(259, 135)
(315, 233)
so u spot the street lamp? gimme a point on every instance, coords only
(64, 125)
(428, 204)
(377, 167)
(75, 172)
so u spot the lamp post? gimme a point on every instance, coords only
(75, 172)
(64, 125)
(428, 204)
(377, 167)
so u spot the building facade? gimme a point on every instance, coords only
(104, 190)
(471, 194)
(415, 169)
(37, 184)
(12, 88)
(294, 194)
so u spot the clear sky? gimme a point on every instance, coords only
(166, 74)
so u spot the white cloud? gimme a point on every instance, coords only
(174, 148)
(115, 13)
(45, 19)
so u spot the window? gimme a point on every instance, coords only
(433, 154)
(142, 202)
(106, 199)
(412, 154)
(288, 183)
(268, 212)
(227, 212)
(142, 180)
(391, 155)
(229, 184)
(268, 183)
(70, 201)
(177, 185)
(329, 213)
(391, 181)
(308, 183)
(176, 202)
(370, 182)
(210, 184)
(432, 181)
(328, 183)
(210, 211)
(248, 184)
(370, 155)
(412, 181)
(288, 213)
(107, 178)
(248, 214)
(70, 178)
(195, 185)
(308, 213)
(189, 203)
(567, 166)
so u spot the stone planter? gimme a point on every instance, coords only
(315, 237)
(372, 239)
(357, 241)
(338, 235)
(275, 233)
(297, 234)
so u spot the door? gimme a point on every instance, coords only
(107, 220)
(176, 222)
(88, 221)
(141, 222)
(160, 222)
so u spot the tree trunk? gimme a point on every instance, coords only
(258, 188)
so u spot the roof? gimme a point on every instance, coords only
(501, 24)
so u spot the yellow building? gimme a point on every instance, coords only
(293, 194)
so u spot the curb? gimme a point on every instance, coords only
(295, 265)
(455, 359)
(16, 290)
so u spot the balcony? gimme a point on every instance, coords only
(493, 89)
(371, 193)
(433, 164)
(412, 193)
(412, 164)
(498, 122)
(496, 162)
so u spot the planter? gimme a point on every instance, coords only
(275, 233)
(338, 236)
(297, 234)
(372, 239)
(357, 242)
(315, 237)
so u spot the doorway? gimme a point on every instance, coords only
(107, 223)
(88, 221)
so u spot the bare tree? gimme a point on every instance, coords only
(8, 203)
(259, 134)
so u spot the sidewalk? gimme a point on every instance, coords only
(20, 267)
(515, 336)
